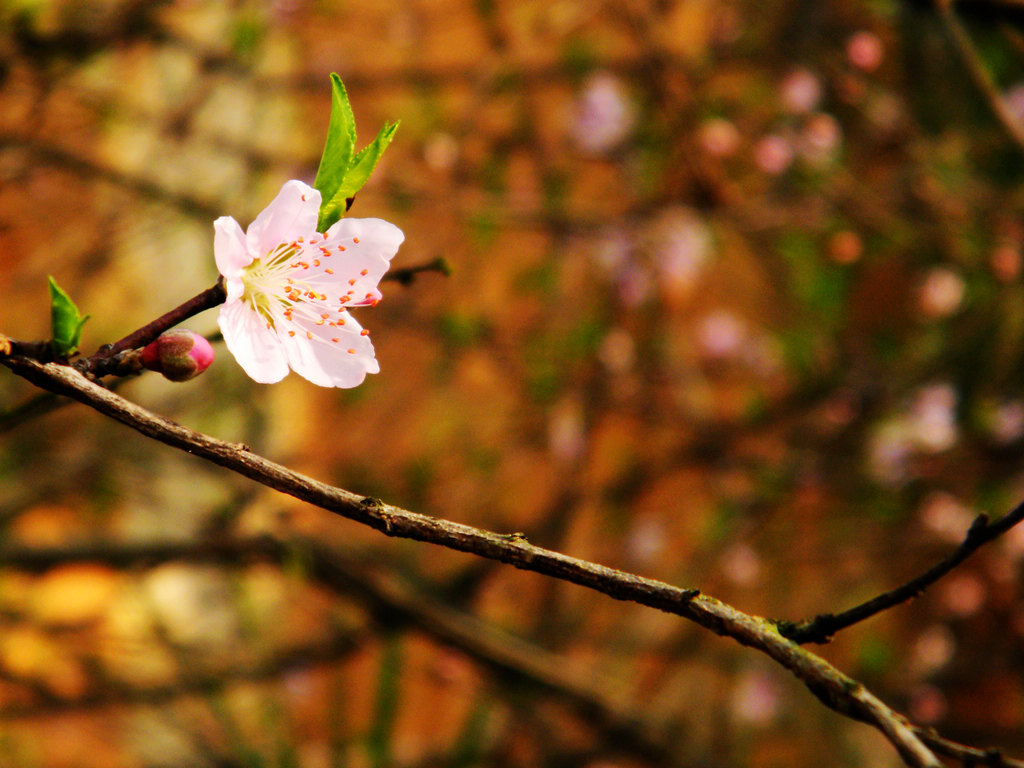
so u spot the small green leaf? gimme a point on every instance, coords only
(65, 320)
(341, 173)
(366, 160)
(340, 144)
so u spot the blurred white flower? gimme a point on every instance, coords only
(933, 418)
(681, 245)
(941, 293)
(603, 115)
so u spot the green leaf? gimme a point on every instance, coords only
(366, 160)
(341, 173)
(65, 320)
(340, 144)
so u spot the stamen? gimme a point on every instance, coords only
(355, 239)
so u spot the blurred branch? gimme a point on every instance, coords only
(386, 594)
(834, 689)
(821, 628)
(979, 74)
(406, 275)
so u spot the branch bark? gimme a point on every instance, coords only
(833, 688)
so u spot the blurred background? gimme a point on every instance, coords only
(736, 303)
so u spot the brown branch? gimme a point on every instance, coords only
(828, 684)
(821, 628)
(105, 359)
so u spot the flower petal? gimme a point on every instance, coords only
(314, 355)
(230, 253)
(292, 214)
(255, 347)
(369, 244)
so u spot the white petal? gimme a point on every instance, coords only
(375, 235)
(255, 347)
(292, 214)
(229, 247)
(369, 245)
(326, 362)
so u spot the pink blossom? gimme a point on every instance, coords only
(289, 289)
(603, 115)
(179, 355)
(800, 91)
(773, 154)
(865, 51)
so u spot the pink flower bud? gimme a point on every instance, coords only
(179, 355)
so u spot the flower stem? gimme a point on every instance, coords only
(103, 362)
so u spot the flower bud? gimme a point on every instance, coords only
(179, 355)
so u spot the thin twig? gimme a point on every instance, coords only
(979, 74)
(100, 364)
(405, 275)
(828, 684)
(821, 628)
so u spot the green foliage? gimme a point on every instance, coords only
(65, 320)
(343, 171)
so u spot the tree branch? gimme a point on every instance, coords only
(828, 684)
(979, 74)
(821, 628)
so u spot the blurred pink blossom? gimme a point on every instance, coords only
(721, 334)
(681, 245)
(1007, 422)
(603, 115)
(755, 698)
(773, 154)
(565, 430)
(800, 91)
(865, 51)
(963, 594)
(740, 564)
